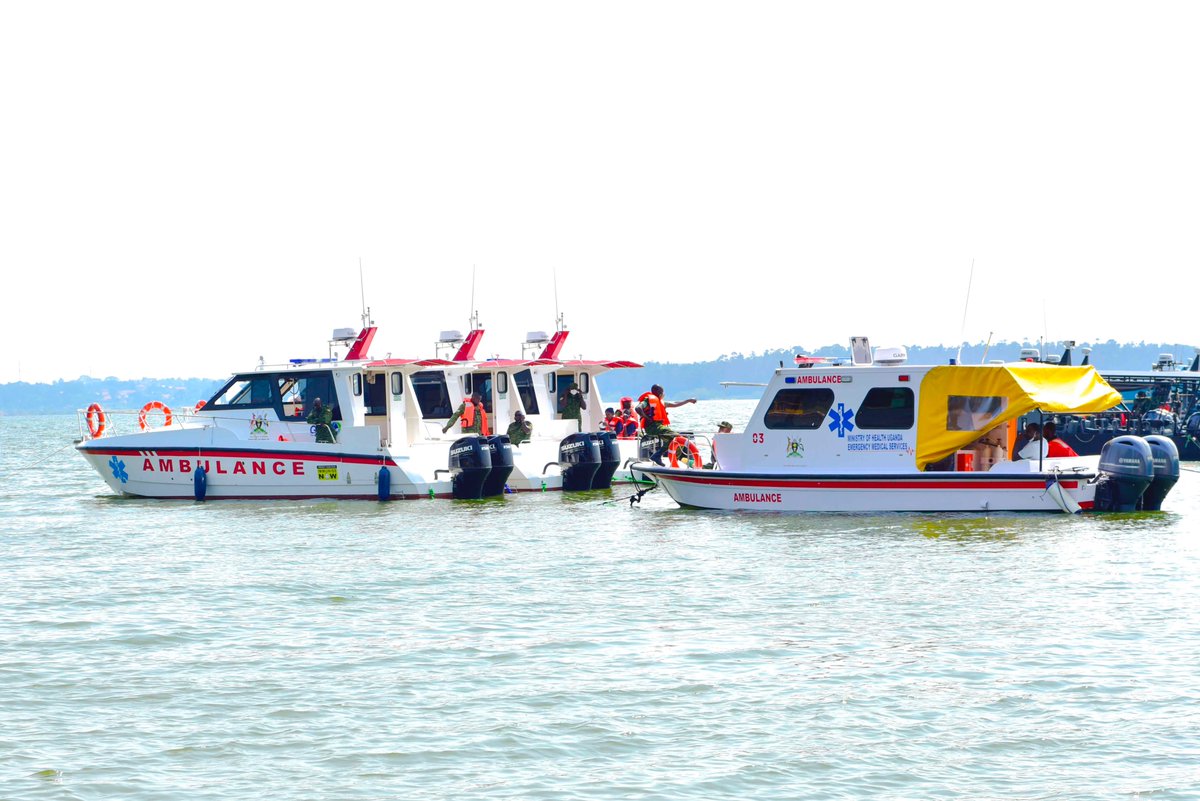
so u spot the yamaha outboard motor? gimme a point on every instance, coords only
(1166, 472)
(502, 465)
(579, 458)
(470, 464)
(1126, 469)
(610, 459)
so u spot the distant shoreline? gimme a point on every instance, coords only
(682, 380)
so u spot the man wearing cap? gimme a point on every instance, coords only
(723, 427)
(520, 430)
(321, 419)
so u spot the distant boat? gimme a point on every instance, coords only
(1162, 401)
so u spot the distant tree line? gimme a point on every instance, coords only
(703, 379)
(64, 397)
(692, 380)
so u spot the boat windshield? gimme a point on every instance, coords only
(524, 381)
(430, 389)
(246, 392)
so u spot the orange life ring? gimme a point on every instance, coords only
(679, 442)
(200, 405)
(96, 420)
(151, 406)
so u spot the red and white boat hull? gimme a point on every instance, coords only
(924, 492)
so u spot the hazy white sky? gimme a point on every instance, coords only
(186, 187)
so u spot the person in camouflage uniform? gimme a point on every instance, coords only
(520, 430)
(321, 419)
(572, 404)
(478, 421)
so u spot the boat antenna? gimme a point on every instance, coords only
(963, 331)
(362, 291)
(987, 347)
(558, 320)
(474, 312)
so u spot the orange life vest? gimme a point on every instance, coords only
(658, 412)
(467, 420)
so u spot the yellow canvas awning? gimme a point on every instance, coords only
(960, 402)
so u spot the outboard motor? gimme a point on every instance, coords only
(502, 465)
(1158, 421)
(648, 446)
(470, 464)
(579, 459)
(610, 459)
(1166, 472)
(1126, 469)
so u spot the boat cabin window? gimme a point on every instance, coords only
(375, 398)
(973, 412)
(502, 384)
(432, 397)
(356, 384)
(397, 384)
(297, 392)
(799, 408)
(246, 392)
(886, 407)
(524, 380)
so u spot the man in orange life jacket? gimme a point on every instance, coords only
(472, 414)
(653, 410)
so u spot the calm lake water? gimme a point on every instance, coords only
(571, 647)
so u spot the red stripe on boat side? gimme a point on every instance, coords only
(872, 483)
(216, 453)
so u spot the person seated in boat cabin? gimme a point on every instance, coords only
(1032, 431)
(520, 430)
(610, 421)
(1035, 447)
(1055, 447)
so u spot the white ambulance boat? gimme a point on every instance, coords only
(252, 439)
(877, 434)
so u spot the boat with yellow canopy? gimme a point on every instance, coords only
(879, 434)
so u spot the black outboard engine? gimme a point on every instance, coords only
(610, 459)
(502, 465)
(579, 459)
(470, 464)
(1126, 469)
(1158, 421)
(1166, 472)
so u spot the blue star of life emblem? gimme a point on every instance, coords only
(117, 466)
(841, 420)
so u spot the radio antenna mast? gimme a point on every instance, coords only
(362, 290)
(558, 320)
(963, 331)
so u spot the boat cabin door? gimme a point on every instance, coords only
(375, 403)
